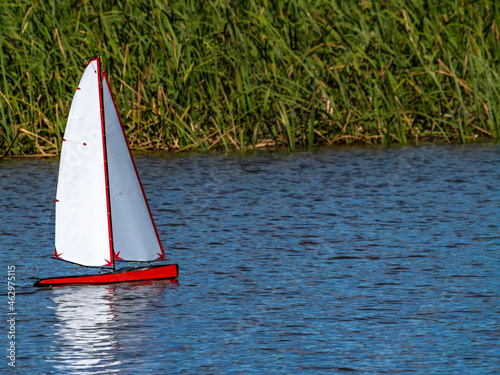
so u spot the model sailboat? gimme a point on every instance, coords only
(102, 215)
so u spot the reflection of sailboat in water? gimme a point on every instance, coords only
(92, 336)
(85, 342)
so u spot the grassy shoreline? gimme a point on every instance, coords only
(205, 75)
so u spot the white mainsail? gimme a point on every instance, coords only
(82, 223)
(134, 233)
(89, 222)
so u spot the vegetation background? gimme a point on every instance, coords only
(212, 74)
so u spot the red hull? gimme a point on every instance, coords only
(125, 275)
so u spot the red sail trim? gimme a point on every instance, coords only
(117, 256)
(162, 255)
(108, 263)
(106, 179)
(58, 256)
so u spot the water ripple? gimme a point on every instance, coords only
(366, 261)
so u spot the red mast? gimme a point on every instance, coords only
(111, 261)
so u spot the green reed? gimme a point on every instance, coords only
(207, 75)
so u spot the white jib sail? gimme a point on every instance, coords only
(82, 225)
(134, 234)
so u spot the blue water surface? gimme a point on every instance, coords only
(349, 260)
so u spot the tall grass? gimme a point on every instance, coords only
(197, 74)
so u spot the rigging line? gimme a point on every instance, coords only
(53, 199)
(53, 196)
